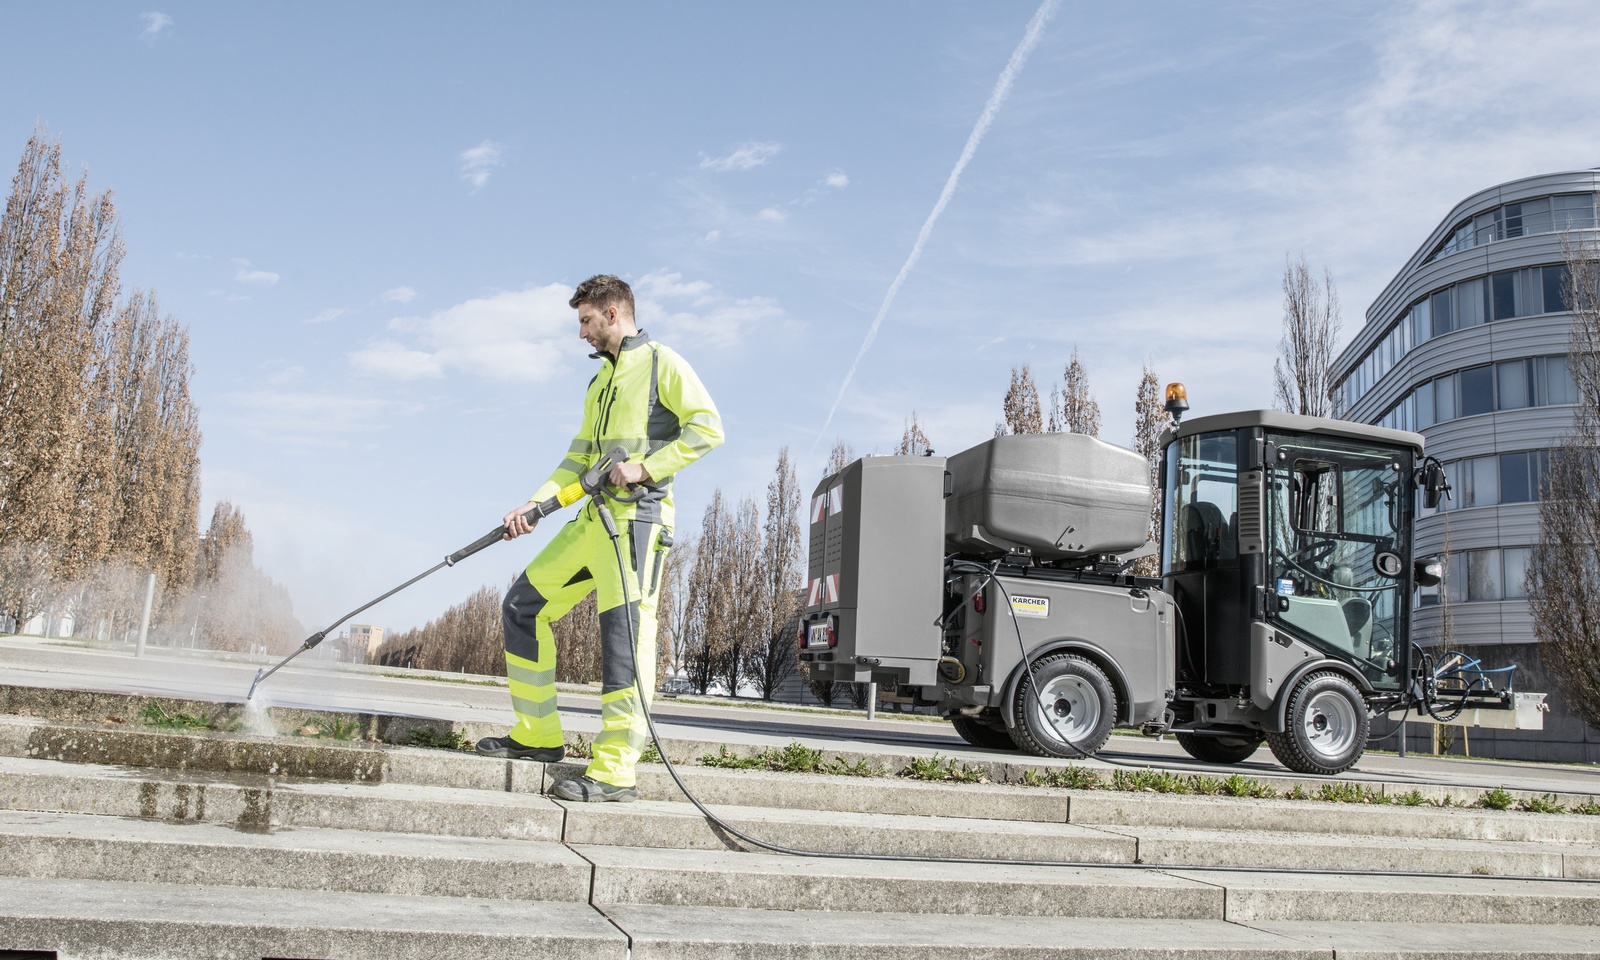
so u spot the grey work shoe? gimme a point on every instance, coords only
(585, 790)
(509, 749)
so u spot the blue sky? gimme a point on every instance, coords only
(370, 215)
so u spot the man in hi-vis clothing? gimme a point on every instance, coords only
(647, 399)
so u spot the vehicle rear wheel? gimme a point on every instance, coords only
(1073, 713)
(1326, 726)
(1209, 749)
(981, 734)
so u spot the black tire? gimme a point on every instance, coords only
(1326, 726)
(1082, 698)
(981, 734)
(1217, 749)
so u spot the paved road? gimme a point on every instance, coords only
(31, 661)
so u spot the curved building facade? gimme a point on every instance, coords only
(1467, 345)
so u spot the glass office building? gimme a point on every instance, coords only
(1467, 345)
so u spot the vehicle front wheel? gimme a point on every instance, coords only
(1073, 712)
(981, 734)
(1217, 749)
(1325, 728)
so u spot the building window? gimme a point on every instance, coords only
(1473, 576)
(1502, 296)
(1567, 211)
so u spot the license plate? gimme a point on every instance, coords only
(819, 634)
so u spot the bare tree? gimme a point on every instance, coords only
(1311, 325)
(1150, 418)
(707, 596)
(466, 638)
(841, 456)
(1564, 570)
(677, 604)
(746, 597)
(773, 661)
(1072, 406)
(59, 253)
(1022, 413)
(914, 442)
(99, 442)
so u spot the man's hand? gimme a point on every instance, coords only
(516, 523)
(629, 473)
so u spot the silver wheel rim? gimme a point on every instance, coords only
(1329, 725)
(1069, 708)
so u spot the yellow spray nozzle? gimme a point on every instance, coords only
(570, 494)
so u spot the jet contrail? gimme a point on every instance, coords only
(1001, 87)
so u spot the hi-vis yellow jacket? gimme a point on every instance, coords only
(648, 400)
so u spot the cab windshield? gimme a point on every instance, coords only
(1337, 516)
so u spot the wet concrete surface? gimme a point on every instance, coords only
(311, 684)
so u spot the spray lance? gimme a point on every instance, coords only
(591, 483)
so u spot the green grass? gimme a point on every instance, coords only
(453, 740)
(1588, 808)
(1411, 799)
(1542, 804)
(154, 715)
(1352, 793)
(329, 728)
(1497, 799)
(938, 769)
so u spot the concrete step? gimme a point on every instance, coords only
(255, 801)
(1111, 808)
(145, 921)
(759, 881)
(681, 826)
(714, 933)
(250, 801)
(655, 823)
(771, 882)
(78, 847)
(156, 921)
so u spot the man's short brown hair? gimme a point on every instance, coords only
(602, 291)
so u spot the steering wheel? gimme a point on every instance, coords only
(1313, 556)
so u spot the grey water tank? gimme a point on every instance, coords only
(1059, 496)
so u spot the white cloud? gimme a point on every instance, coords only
(396, 361)
(522, 335)
(247, 275)
(154, 23)
(772, 215)
(480, 161)
(837, 180)
(712, 236)
(327, 316)
(746, 156)
(399, 295)
(693, 311)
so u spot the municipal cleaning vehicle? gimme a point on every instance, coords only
(994, 586)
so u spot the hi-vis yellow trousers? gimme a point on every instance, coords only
(578, 560)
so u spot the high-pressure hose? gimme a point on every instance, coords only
(672, 770)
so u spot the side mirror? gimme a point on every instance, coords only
(1428, 572)
(1434, 484)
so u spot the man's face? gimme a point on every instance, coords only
(599, 327)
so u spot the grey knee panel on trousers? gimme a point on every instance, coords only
(519, 613)
(616, 647)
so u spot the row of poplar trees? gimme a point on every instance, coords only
(99, 435)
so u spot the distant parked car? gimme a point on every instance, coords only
(673, 686)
